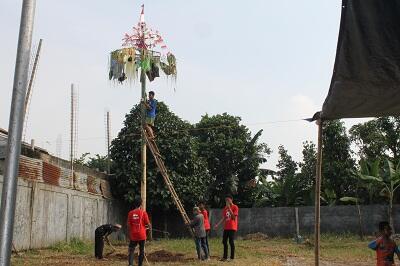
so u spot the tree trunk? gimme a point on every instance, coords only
(391, 213)
(360, 221)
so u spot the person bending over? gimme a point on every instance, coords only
(100, 235)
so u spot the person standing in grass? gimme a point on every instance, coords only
(200, 234)
(230, 218)
(384, 246)
(100, 235)
(207, 226)
(137, 223)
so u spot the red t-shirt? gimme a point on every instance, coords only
(137, 221)
(206, 221)
(385, 251)
(231, 224)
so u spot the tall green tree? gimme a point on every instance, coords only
(188, 171)
(233, 157)
(338, 166)
(378, 139)
(306, 175)
(286, 182)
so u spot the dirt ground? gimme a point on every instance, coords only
(272, 252)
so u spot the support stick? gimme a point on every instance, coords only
(32, 78)
(144, 149)
(15, 131)
(317, 194)
(71, 155)
(108, 144)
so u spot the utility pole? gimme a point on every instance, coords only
(15, 127)
(32, 78)
(108, 144)
(144, 148)
(71, 156)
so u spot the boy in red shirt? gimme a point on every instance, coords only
(137, 224)
(230, 217)
(384, 246)
(207, 226)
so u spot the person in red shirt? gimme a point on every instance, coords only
(207, 226)
(384, 246)
(137, 224)
(230, 218)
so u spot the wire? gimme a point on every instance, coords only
(203, 128)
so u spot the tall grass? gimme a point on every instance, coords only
(75, 246)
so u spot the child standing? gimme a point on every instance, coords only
(384, 246)
(200, 233)
(207, 226)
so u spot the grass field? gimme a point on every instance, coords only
(336, 250)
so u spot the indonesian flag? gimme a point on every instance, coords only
(142, 15)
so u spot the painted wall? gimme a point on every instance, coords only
(47, 214)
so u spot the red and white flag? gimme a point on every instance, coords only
(142, 15)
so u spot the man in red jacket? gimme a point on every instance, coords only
(137, 223)
(230, 219)
(207, 226)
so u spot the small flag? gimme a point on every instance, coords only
(142, 15)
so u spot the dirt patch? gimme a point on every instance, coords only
(155, 256)
(165, 256)
(256, 236)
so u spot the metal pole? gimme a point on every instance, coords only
(144, 149)
(71, 155)
(108, 144)
(317, 195)
(15, 131)
(32, 78)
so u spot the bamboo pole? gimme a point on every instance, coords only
(71, 155)
(318, 195)
(32, 78)
(108, 144)
(143, 148)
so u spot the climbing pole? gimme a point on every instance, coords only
(160, 164)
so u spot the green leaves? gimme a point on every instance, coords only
(205, 161)
(350, 199)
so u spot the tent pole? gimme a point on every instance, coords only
(318, 194)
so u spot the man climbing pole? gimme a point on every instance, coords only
(151, 107)
(101, 234)
(137, 223)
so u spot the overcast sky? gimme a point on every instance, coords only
(262, 60)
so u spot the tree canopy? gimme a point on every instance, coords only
(219, 155)
(205, 161)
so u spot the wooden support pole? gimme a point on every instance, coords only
(318, 195)
(143, 148)
(108, 144)
(32, 77)
(71, 155)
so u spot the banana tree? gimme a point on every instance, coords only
(388, 179)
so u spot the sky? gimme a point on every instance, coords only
(269, 62)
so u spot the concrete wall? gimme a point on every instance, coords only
(47, 214)
(335, 219)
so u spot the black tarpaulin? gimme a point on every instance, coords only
(366, 76)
